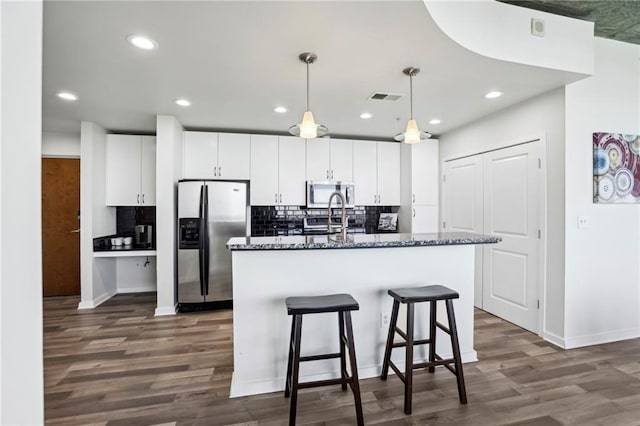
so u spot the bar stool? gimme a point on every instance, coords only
(343, 304)
(410, 296)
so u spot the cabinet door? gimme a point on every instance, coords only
(234, 156)
(364, 173)
(292, 171)
(318, 159)
(123, 170)
(200, 152)
(425, 172)
(341, 160)
(148, 171)
(264, 170)
(424, 219)
(389, 173)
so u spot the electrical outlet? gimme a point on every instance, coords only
(385, 318)
(583, 222)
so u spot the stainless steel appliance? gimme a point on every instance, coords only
(209, 213)
(318, 193)
(144, 235)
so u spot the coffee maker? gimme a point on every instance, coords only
(144, 236)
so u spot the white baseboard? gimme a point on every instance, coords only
(143, 288)
(90, 304)
(165, 310)
(600, 338)
(277, 384)
(554, 338)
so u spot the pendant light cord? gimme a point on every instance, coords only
(411, 95)
(307, 86)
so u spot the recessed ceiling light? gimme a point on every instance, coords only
(67, 96)
(365, 115)
(492, 95)
(183, 102)
(280, 109)
(435, 121)
(142, 42)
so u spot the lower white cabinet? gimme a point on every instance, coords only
(130, 170)
(424, 219)
(277, 170)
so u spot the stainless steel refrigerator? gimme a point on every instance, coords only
(209, 213)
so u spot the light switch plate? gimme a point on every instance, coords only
(583, 222)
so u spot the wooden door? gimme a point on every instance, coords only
(463, 207)
(511, 194)
(60, 226)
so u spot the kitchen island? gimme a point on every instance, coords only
(266, 270)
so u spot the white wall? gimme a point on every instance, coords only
(60, 145)
(503, 31)
(602, 275)
(135, 275)
(541, 116)
(97, 276)
(168, 172)
(21, 371)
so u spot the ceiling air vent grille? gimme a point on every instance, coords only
(381, 96)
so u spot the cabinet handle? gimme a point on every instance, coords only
(414, 198)
(142, 198)
(220, 171)
(276, 198)
(414, 212)
(327, 174)
(280, 198)
(331, 174)
(138, 199)
(215, 171)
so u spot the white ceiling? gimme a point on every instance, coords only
(236, 60)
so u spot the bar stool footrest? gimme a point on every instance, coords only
(319, 357)
(415, 342)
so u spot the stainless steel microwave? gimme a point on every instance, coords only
(318, 193)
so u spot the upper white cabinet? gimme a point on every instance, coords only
(419, 183)
(277, 170)
(209, 155)
(376, 173)
(329, 159)
(130, 170)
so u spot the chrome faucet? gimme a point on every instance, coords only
(343, 225)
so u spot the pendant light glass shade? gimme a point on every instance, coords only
(308, 128)
(412, 133)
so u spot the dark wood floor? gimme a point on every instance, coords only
(120, 365)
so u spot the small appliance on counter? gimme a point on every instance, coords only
(318, 193)
(144, 236)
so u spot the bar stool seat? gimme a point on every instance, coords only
(411, 296)
(342, 304)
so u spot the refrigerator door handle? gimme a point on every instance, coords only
(205, 227)
(203, 232)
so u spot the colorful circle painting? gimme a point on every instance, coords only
(616, 168)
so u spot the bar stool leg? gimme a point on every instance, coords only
(343, 358)
(355, 384)
(287, 384)
(296, 370)
(390, 337)
(408, 373)
(462, 393)
(432, 333)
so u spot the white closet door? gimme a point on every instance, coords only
(464, 205)
(511, 194)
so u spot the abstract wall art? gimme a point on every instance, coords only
(616, 168)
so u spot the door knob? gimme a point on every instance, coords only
(75, 231)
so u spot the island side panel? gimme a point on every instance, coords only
(263, 279)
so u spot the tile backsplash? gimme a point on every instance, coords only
(288, 220)
(128, 217)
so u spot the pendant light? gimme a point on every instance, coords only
(411, 134)
(308, 128)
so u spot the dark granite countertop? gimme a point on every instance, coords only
(309, 242)
(132, 247)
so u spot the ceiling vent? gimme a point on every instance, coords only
(381, 96)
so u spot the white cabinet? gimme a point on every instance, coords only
(418, 211)
(209, 155)
(376, 173)
(130, 170)
(329, 159)
(277, 170)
